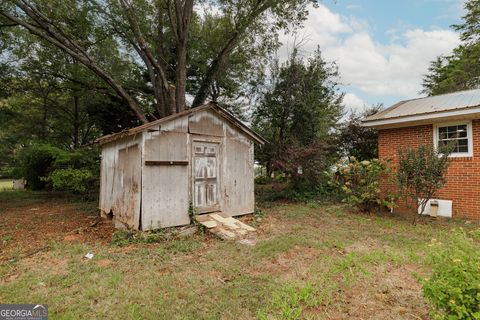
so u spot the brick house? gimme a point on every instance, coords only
(449, 118)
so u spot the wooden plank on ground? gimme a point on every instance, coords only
(224, 226)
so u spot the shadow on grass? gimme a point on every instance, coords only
(21, 198)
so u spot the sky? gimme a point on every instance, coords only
(382, 47)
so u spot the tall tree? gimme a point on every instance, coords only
(356, 140)
(461, 70)
(297, 115)
(242, 73)
(470, 28)
(157, 31)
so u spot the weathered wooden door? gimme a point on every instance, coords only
(126, 196)
(205, 176)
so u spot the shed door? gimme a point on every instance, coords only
(205, 174)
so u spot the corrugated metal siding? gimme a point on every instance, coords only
(444, 102)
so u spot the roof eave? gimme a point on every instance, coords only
(425, 118)
(233, 120)
(211, 105)
(128, 132)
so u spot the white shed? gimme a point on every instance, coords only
(197, 161)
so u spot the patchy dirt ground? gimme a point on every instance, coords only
(26, 229)
(311, 261)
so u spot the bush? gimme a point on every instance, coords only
(421, 173)
(75, 180)
(354, 139)
(454, 286)
(304, 165)
(263, 180)
(359, 181)
(46, 167)
(35, 162)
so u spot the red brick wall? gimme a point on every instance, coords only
(463, 174)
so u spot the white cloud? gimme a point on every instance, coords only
(353, 102)
(375, 68)
(325, 21)
(322, 28)
(380, 69)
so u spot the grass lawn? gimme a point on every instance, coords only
(311, 261)
(6, 184)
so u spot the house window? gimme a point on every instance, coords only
(456, 135)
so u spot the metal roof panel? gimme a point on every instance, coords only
(439, 103)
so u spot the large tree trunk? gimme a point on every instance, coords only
(76, 120)
(45, 116)
(161, 60)
(171, 102)
(181, 75)
(157, 72)
(183, 17)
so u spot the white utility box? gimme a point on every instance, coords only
(438, 207)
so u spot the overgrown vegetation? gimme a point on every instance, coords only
(421, 173)
(296, 116)
(70, 179)
(356, 140)
(359, 181)
(46, 167)
(169, 243)
(125, 237)
(454, 285)
(307, 260)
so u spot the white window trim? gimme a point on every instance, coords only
(469, 136)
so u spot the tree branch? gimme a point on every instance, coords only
(159, 105)
(183, 12)
(7, 25)
(58, 39)
(230, 45)
(143, 45)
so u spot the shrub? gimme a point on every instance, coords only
(454, 285)
(359, 181)
(304, 165)
(35, 162)
(75, 180)
(421, 173)
(263, 179)
(354, 139)
(47, 167)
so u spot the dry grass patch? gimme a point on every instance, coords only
(310, 261)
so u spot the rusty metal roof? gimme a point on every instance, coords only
(429, 105)
(208, 106)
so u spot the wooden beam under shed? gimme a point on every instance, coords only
(166, 163)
